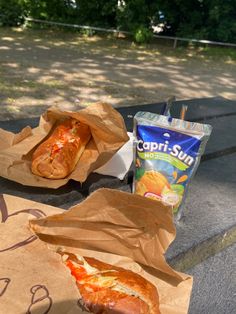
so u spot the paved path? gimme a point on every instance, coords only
(39, 69)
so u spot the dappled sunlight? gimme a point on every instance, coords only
(42, 47)
(67, 70)
(230, 61)
(59, 44)
(11, 65)
(33, 70)
(4, 48)
(21, 49)
(226, 80)
(7, 38)
(228, 95)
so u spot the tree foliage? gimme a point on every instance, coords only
(11, 12)
(205, 19)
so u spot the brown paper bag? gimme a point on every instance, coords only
(31, 276)
(132, 227)
(108, 135)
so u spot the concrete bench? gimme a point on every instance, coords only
(207, 231)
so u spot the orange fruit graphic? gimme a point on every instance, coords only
(152, 181)
(140, 188)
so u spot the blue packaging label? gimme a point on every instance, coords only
(165, 161)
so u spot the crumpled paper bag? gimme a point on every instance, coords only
(108, 135)
(122, 229)
(31, 276)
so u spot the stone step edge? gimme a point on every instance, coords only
(203, 250)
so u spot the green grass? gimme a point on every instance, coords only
(219, 52)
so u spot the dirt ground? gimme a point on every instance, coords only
(39, 69)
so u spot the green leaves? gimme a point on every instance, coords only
(178, 188)
(212, 19)
(11, 12)
(142, 35)
(139, 173)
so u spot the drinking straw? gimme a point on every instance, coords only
(183, 112)
(165, 111)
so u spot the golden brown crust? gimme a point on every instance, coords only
(146, 290)
(127, 292)
(57, 157)
(111, 302)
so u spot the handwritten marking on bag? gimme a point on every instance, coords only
(39, 294)
(5, 216)
(4, 282)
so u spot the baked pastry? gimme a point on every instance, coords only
(56, 157)
(107, 289)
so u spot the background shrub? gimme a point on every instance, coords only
(202, 19)
(11, 12)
